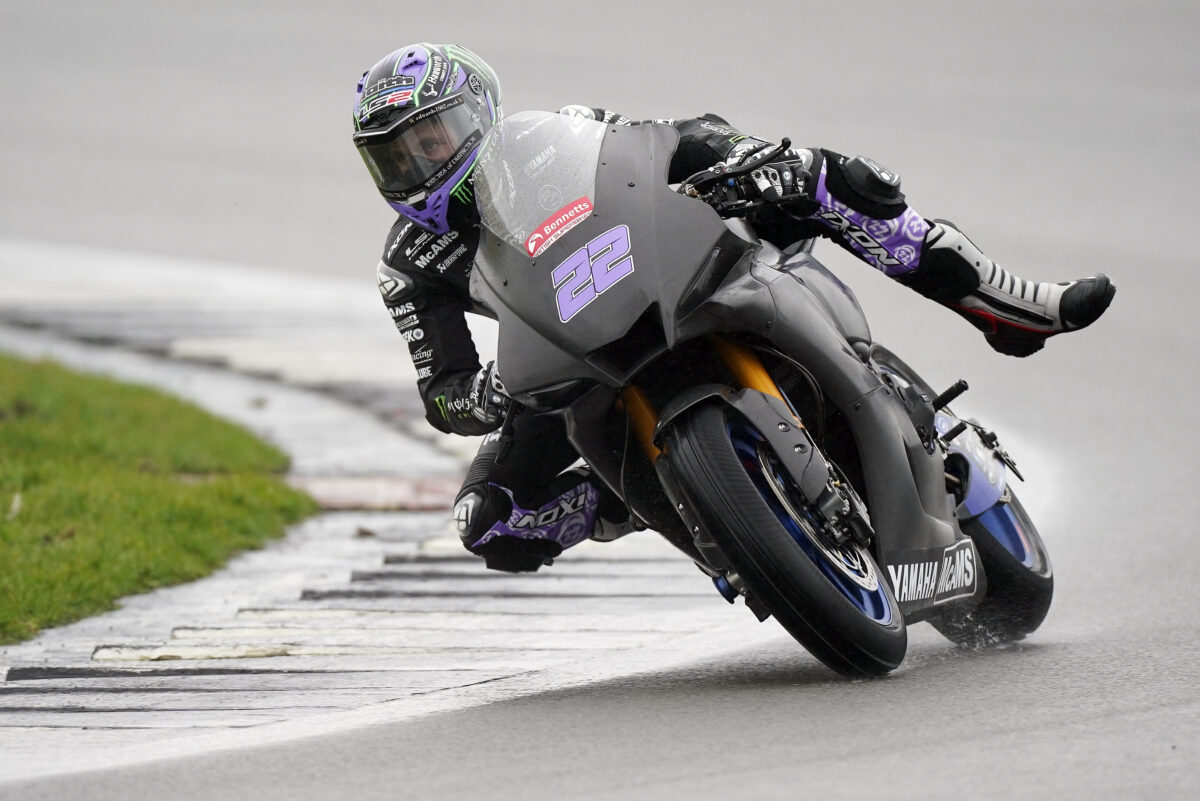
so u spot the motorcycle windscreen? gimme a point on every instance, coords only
(535, 178)
(584, 238)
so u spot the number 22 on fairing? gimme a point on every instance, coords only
(591, 270)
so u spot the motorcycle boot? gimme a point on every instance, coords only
(514, 538)
(613, 518)
(477, 511)
(1016, 316)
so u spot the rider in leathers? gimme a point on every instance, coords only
(420, 114)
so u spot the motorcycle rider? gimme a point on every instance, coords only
(420, 114)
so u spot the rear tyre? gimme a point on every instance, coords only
(1020, 581)
(832, 598)
(1015, 560)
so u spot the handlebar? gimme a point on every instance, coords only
(731, 191)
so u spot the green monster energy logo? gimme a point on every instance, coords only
(458, 54)
(464, 190)
(440, 400)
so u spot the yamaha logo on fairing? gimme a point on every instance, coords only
(952, 576)
(914, 582)
(538, 162)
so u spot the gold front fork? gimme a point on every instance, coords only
(746, 367)
(742, 362)
(643, 418)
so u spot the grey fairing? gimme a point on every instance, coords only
(906, 487)
(674, 239)
(705, 279)
(835, 297)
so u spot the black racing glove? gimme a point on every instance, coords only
(489, 401)
(780, 181)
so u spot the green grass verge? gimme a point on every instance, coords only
(108, 489)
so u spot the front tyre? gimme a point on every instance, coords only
(832, 598)
(1020, 581)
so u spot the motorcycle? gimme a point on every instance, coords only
(731, 395)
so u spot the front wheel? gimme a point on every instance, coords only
(831, 597)
(1020, 582)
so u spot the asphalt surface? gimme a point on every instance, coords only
(370, 612)
(1060, 136)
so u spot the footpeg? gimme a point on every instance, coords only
(954, 432)
(941, 401)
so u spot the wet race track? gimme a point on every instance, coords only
(1060, 137)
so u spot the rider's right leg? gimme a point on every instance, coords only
(520, 506)
(859, 204)
(1015, 315)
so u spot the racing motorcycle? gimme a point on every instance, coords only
(730, 394)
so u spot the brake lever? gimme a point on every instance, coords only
(693, 186)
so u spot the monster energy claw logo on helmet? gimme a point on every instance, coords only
(420, 115)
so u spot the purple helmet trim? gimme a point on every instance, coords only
(891, 246)
(414, 63)
(435, 215)
(411, 61)
(567, 519)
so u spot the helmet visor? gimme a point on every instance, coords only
(414, 155)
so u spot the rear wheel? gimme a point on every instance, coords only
(830, 596)
(1020, 581)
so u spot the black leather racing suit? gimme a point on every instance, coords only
(424, 277)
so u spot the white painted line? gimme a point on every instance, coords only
(383, 619)
(159, 653)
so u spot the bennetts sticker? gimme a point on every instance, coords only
(557, 224)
